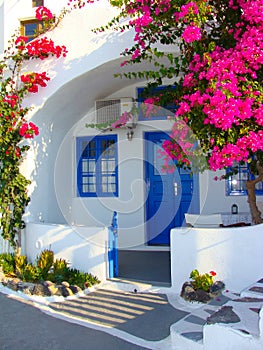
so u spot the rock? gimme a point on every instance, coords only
(26, 287)
(12, 283)
(65, 284)
(59, 291)
(53, 289)
(4, 281)
(66, 292)
(217, 287)
(48, 283)
(224, 315)
(41, 290)
(190, 294)
(75, 289)
(202, 296)
(2, 276)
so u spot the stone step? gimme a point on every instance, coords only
(234, 316)
(254, 291)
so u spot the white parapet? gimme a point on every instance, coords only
(85, 248)
(235, 254)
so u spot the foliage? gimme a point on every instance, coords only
(82, 279)
(202, 281)
(212, 50)
(44, 262)
(20, 264)
(30, 273)
(46, 267)
(60, 271)
(7, 262)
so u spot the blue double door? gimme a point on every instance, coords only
(169, 195)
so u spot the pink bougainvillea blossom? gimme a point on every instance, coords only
(124, 118)
(150, 106)
(191, 33)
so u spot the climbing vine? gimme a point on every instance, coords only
(15, 126)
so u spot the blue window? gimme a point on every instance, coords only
(166, 110)
(236, 183)
(97, 166)
(31, 28)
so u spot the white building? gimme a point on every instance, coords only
(60, 163)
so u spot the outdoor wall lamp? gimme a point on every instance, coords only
(130, 134)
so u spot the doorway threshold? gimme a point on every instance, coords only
(149, 267)
(134, 286)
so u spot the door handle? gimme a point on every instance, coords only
(148, 185)
(176, 188)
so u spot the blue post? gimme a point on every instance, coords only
(113, 247)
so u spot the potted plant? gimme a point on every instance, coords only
(201, 287)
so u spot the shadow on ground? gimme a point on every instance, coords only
(144, 315)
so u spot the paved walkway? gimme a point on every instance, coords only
(25, 327)
(119, 316)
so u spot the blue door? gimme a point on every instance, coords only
(168, 194)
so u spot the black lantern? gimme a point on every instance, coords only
(234, 209)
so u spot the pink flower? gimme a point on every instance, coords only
(191, 33)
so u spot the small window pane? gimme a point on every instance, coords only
(84, 165)
(30, 29)
(37, 3)
(111, 165)
(92, 165)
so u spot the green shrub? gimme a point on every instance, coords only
(30, 273)
(82, 279)
(45, 269)
(20, 264)
(91, 279)
(45, 262)
(61, 271)
(7, 262)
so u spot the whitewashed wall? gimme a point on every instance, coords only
(84, 248)
(235, 254)
(61, 111)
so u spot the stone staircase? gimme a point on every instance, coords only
(230, 322)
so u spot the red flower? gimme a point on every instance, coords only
(44, 47)
(33, 79)
(28, 131)
(21, 42)
(212, 273)
(43, 13)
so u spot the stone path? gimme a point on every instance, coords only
(155, 318)
(239, 312)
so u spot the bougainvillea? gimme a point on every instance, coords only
(217, 68)
(14, 127)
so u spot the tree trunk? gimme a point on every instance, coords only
(251, 187)
(18, 244)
